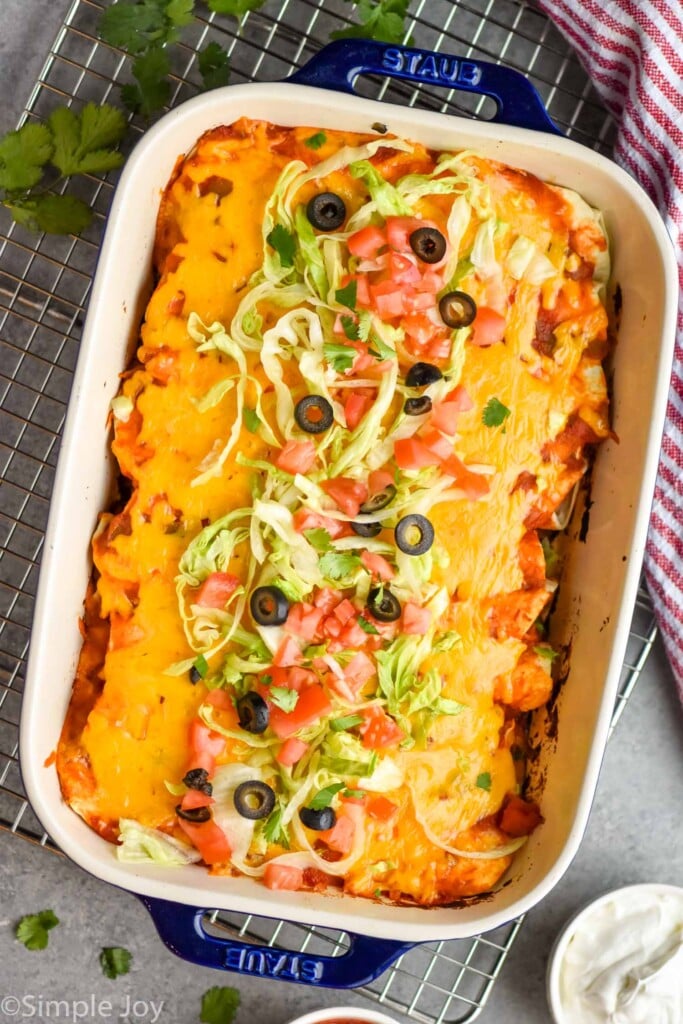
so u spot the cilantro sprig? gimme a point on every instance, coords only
(383, 20)
(40, 155)
(219, 1005)
(114, 961)
(495, 413)
(33, 929)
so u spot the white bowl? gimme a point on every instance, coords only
(575, 924)
(343, 1014)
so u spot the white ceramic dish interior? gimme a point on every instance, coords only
(602, 578)
(333, 1014)
(622, 897)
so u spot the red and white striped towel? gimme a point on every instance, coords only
(633, 50)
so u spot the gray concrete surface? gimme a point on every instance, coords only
(634, 832)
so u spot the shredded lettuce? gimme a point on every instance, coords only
(398, 666)
(387, 199)
(212, 548)
(483, 255)
(310, 254)
(140, 844)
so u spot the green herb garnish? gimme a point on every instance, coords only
(219, 1005)
(323, 798)
(284, 244)
(283, 697)
(114, 961)
(484, 781)
(345, 722)
(33, 928)
(316, 141)
(251, 420)
(340, 357)
(347, 295)
(214, 66)
(201, 666)
(495, 413)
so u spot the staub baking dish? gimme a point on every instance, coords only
(600, 579)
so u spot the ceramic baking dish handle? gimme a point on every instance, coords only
(181, 929)
(338, 64)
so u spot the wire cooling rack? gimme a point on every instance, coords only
(44, 284)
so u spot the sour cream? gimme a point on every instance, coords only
(621, 960)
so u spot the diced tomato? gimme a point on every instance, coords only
(403, 270)
(381, 809)
(340, 836)
(363, 362)
(419, 328)
(344, 611)
(307, 519)
(445, 416)
(459, 397)
(355, 409)
(299, 678)
(327, 599)
(204, 740)
(439, 348)
(291, 751)
(216, 589)
(349, 494)
(193, 799)
(475, 485)
(312, 704)
(415, 302)
(367, 242)
(377, 566)
(304, 620)
(413, 454)
(220, 699)
(416, 620)
(431, 282)
(331, 627)
(352, 636)
(209, 839)
(488, 327)
(378, 480)
(520, 817)
(359, 670)
(283, 876)
(362, 289)
(288, 653)
(379, 730)
(297, 457)
(387, 298)
(437, 443)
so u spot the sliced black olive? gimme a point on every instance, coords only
(383, 605)
(269, 606)
(428, 244)
(320, 820)
(195, 676)
(197, 815)
(366, 529)
(417, 406)
(314, 414)
(252, 712)
(379, 500)
(457, 309)
(198, 778)
(421, 374)
(254, 799)
(414, 534)
(326, 211)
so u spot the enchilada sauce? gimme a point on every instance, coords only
(508, 433)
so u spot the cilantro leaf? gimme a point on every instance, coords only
(284, 244)
(251, 420)
(219, 1005)
(484, 781)
(350, 327)
(56, 215)
(337, 565)
(345, 722)
(340, 356)
(383, 20)
(237, 8)
(316, 141)
(152, 89)
(179, 12)
(33, 928)
(274, 831)
(201, 666)
(214, 66)
(367, 626)
(547, 652)
(319, 538)
(284, 698)
(347, 295)
(23, 154)
(323, 798)
(136, 27)
(495, 413)
(114, 960)
(380, 350)
(82, 141)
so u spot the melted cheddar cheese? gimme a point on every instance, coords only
(417, 749)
